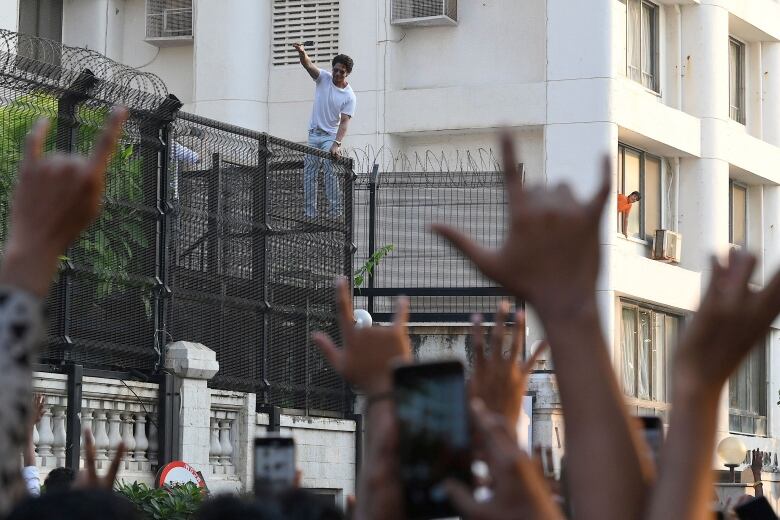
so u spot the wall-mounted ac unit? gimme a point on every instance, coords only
(168, 22)
(424, 12)
(667, 246)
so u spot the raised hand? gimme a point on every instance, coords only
(519, 488)
(57, 197)
(551, 259)
(731, 319)
(88, 477)
(299, 47)
(551, 251)
(499, 381)
(368, 354)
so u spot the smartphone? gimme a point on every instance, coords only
(308, 43)
(274, 464)
(653, 432)
(434, 441)
(756, 509)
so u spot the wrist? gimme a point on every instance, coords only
(28, 268)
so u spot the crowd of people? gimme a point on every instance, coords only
(550, 259)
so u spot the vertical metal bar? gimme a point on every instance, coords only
(215, 216)
(260, 260)
(66, 141)
(306, 341)
(167, 420)
(72, 421)
(372, 186)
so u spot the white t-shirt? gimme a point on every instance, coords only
(329, 103)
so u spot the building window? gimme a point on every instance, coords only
(640, 171)
(647, 337)
(305, 21)
(737, 80)
(747, 394)
(737, 214)
(642, 42)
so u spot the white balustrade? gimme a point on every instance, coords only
(140, 442)
(226, 456)
(129, 440)
(153, 444)
(46, 437)
(215, 447)
(58, 444)
(99, 424)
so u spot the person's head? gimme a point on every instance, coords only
(634, 197)
(81, 504)
(342, 67)
(232, 507)
(59, 479)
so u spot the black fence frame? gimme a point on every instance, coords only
(371, 293)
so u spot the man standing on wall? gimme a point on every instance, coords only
(334, 106)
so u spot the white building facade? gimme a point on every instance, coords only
(685, 94)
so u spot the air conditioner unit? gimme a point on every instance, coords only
(424, 12)
(667, 246)
(168, 22)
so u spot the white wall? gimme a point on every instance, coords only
(9, 14)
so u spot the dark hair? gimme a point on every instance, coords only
(82, 504)
(638, 195)
(231, 507)
(344, 60)
(59, 479)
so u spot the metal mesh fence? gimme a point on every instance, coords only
(204, 236)
(251, 274)
(396, 209)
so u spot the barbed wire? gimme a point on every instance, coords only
(429, 161)
(27, 60)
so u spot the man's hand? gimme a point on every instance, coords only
(366, 358)
(88, 477)
(500, 382)
(731, 320)
(299, 47)
(551, 254)
(335, 149)
(519, 488)
(57, 197)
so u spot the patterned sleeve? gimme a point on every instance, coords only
(21, 324)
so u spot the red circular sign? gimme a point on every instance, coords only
(178, 472)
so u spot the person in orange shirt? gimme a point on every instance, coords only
(624, 207)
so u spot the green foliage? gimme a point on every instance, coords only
(108, 247)
(371, 263)
(165, 503)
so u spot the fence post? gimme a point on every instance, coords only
(372, 186)
(215, 216)
(72, 422)
(66, 140)
(260, 263)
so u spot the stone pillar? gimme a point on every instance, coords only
(245, 443)
(232, 61)
(581, 61)
(704, 182)
(193, 364)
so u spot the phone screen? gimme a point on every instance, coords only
(274, 464)
(653, 432)
(434, 439)
(756, 509)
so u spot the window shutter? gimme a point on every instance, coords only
(305, 20)
(168, 19)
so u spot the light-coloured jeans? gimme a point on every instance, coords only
(311, 169)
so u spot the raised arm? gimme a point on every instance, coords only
(731, 320)
(310, 67)
(551, 260)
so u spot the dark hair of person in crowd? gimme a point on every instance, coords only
(59, 479)
(344, 60)
(299, 504)
(232, 507)
(81, 504)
